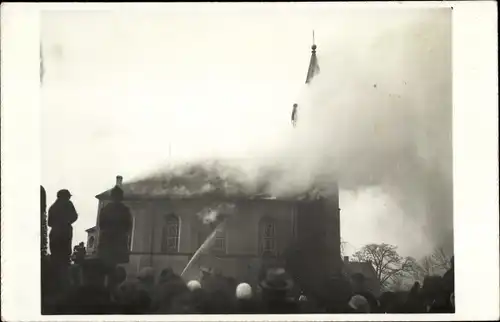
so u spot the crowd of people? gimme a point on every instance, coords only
(92, 291)
(102, 286)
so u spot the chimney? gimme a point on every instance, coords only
(346, 259)
(119, 181)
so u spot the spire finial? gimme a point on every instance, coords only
(313, 47)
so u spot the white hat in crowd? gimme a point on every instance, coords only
(243, 291)
(146, 273)
(193, 285)
(360, 304)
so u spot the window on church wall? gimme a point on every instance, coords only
(219, 246)
(170, 235)
(267, 236)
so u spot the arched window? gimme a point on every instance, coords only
(267, 236)
(91, 241)
(219, 246)
(170, 234)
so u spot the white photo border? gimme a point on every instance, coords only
(475, 164)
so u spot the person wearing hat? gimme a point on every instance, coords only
(146, 277)
(132, 298)
(167, 290)
(360, 287)
(62, 214)
(275, 287)
(166, 274)
(359, 304)
(245, 303)
(115, 225)
(193, 285)
(116, 279)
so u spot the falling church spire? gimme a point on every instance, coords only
(311, 72)
(313, 63)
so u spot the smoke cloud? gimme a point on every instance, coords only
(378, 115)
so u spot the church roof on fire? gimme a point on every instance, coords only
(201, 180)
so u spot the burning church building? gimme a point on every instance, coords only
(244, 230)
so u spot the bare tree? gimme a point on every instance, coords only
(389, 266)
(426, 267)
(434, 264)
(440, 259)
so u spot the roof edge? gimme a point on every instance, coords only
(105, 197)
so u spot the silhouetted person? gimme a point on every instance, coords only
(115, 225)
(359, 304)
(132, 298)
(339, 292)
(79, 253)
(389, 302)
(119, 276)
(449, 282)
(199, 301)
(167, 291)
(62, 214)
(432, 293)
(146, 278)
(275, 288)
(245, 303)
(115, 279)
(360, 288)
(414, 302)
(165, 275)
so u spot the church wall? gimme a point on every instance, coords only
(242, 258)
(241, 228)
(242, 233)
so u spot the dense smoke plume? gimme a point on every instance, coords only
(378, 115)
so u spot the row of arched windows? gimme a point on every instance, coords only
(171, 236)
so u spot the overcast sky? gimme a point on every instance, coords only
(126, 91)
